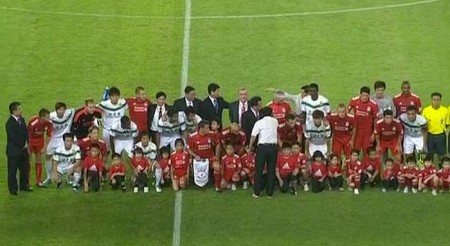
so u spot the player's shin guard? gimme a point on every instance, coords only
(158, 176)
(38, 168)
(48, 170)
(76, 178)
(217, 179)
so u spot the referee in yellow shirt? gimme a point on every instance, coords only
(438, 120)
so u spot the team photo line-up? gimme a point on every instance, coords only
(373, 140)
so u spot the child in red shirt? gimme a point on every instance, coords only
(248, 167)
(179, 166)
(302, 164)
(371, 169)
(140, 167)
(335, 173)
(162, 169)
(428, 178)
(117, 173)
(444, 174)
(287, 170)
(354, 171)
(389, 179)
(93, 167)
(319, 172)
(408, 175)
(231, 167)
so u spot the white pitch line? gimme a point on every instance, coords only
(176, 239)
(297, 14)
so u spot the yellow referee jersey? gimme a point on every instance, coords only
(437, 119)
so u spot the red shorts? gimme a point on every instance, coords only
(228, 176)
(445, 184)
(392, 146)
(429, 183)
(362, 139)
(178, 174)
(36, 147)
(249, 172)
(342, 144)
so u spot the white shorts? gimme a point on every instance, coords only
(168, 141)
(121, 145)
(64, 169)
(409, 143)
(106, 138)
(322, 148)
(53, 144)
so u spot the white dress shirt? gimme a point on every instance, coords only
(156, 117)
(266, 128)
(189, 103)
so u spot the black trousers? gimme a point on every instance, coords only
(336, 182)
(287, 182)
(120, 182)
(265, 155)
(317, 186)
(391, 183)
(94, 180)
(20, 163)
(141, 180)
(436, 144)
(364, 180)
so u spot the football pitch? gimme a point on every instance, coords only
(70, 50)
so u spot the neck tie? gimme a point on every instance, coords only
(160, 113)
(18, 121)
(190, 104)
(216, 106)
(243, 109)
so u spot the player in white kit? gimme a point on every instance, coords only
(191, 119)
(170, 128)
(314, 101)
(148, 147)
(317, 135)
(123, 134)
(66, 161)
(415, 131)
(61, 120)
(112, 111)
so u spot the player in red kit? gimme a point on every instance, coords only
(161, 169)
(319, 172)
(93, 168)
(365, 112)
(389, 178)
(214, 131)
(354, 172)
(231, 168)
(287, 170)
(389, 135)
(343, 130)
(235, 136)
(335, 178)
(138, 106)
(408, 175)
(117, 173)
(203, 145)
(371, 169)
(180, 161)
(428, 178)
(301, 163)
(290, 131)
(85, 118)
(405, 99)
(280, 107)
(352, 161)
(92, 138)
(248, 168)
(444, 174)
(141, 168)
(38, 127)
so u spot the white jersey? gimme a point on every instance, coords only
(120, 133)
(413, 128)
(317, 135)
(167, 129)
(111, 113)
(150, 151)
(308, 106)
(62, 125)
(191, 126)
(65, 158)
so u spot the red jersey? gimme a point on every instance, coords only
(389, 174)
(280, 110)
(334, 169)
(401, 102)
(300, 159)
(37, 128)
(164, 164)
(427, 171)
(341, 127)
(389, 132)
(289, 134)
(118, 168)
(356, 169)
(364, 112)
(180, 161)
(237, 139)
(95, 165)
(350, 164)
(409, 170)
(286, 164)
(319, 170)
(203, 145)
(85, 147)
(231, 164)
(248, 161)
(444, 173)
(141, 164)
(371, 165)
(138, 112)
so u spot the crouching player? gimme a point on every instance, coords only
(302, 166)
(179, 166)
(389, 179)
(371, 169)
(117, 173)
(318, 172)
(93, 168)
(287, 170)
(354, 172)
(140, 168)
(248, 168)
(444, 174)
(408, 176)
(231, 168)
(428, 178)
(161, 169)
(66, 160)
(335, 173)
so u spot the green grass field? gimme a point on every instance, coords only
(70, 50)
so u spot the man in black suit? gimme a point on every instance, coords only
(212, 107)
(155, 112)
(16, 149)
(189, 100)
(239, 107)
(250, 117)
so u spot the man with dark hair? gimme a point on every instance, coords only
(415, 128)
(155, 113)
(85, 118)
(290, 131)
(212, 106)
(189, 100)
(66, 161)
(389, 134)
(123, 134)
(383, 101)
(170, 128)
(16, 149)
(314, 101)
(138, 106)
(250, 117)
(317, 135)
(239, 107)
(406, 98)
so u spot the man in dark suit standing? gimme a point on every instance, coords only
(250, 117)
(212, 107)
(189, 100)
(16, 149)
(239, 107)
(155, 112)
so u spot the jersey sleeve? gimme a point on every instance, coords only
(351, 105)
(328, 131)
(77, 154)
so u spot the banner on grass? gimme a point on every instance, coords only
(201, 172)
